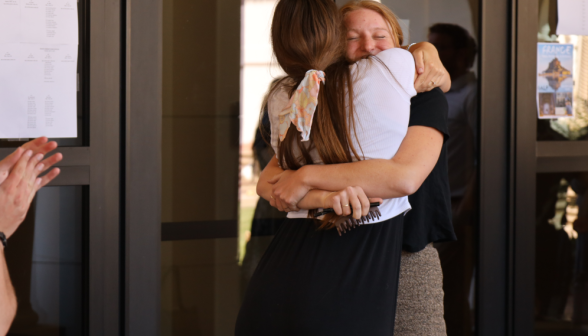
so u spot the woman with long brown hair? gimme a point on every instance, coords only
(419, 168)
(312, 280)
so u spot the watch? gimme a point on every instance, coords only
(3, 239)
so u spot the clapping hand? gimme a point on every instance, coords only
(19, 180)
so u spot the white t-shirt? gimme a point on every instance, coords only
(382, 94)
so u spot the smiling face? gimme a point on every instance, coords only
(367, 34)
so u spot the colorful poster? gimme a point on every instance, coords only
(555, 84)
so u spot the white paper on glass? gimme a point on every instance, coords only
(572, 17)
(38, 68)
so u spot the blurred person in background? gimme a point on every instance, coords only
(266, 219)
(457, 50)
(19, 182)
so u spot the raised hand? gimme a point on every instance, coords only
(19, 180)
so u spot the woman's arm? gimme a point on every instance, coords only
(400, 176)
(314, 199)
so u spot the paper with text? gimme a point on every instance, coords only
(38, 68)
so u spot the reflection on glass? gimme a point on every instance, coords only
(200, 163)
(561, 259)
(452, 26)
(457, 50)
(200, 287)
(575, 128)
(46, 262)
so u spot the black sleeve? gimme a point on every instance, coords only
(430, 109)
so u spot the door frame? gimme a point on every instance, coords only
(495, 148)
(141, 142)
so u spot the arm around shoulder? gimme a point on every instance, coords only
(418, 154)
(400, 176)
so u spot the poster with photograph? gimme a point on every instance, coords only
(555, 84)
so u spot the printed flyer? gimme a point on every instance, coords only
(555, 84)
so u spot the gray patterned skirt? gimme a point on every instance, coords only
(420, 295)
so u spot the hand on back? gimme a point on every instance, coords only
(430, 71)
(19, 180)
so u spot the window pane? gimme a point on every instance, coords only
(47, 261)
(576, 127)
(443, 23)
(561, 263)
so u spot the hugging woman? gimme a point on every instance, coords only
(315, 282)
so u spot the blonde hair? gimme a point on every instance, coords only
(377, 7)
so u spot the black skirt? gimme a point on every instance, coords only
(313, 282)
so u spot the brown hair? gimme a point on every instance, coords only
(381, 9)
(308, 34)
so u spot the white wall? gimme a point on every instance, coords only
(424, 13)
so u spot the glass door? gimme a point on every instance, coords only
(64, 257)
(551, 176)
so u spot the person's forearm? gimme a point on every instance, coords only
(378, 178)
(7, 297)
(314, 199)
